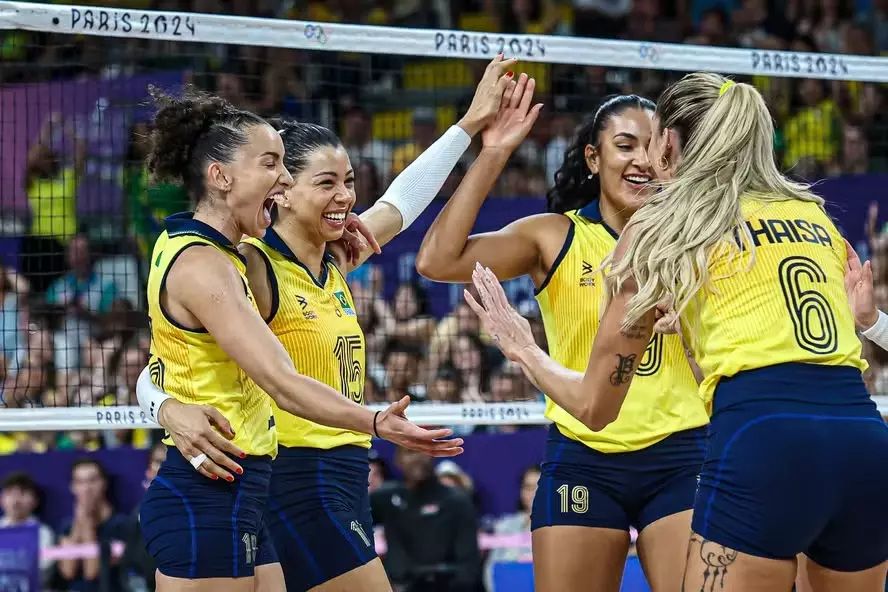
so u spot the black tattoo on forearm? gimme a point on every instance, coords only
(623, 371)
(716, 560)
(636, 331)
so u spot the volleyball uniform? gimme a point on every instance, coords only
(644, 465)
(798, 453)
(195, 527)
(319, 511)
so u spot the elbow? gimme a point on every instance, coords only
(426, 266)
(595, 418)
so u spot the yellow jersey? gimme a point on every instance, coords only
(188, 363)
(315, 319)
(663, 398)
(790, 306)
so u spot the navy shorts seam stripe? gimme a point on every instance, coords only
(235, 540)
(329, 512)
(292, 530)
(549, 488)
(192, 567)
(743, 428)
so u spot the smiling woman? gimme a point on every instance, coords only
(211, 346)
(641, 470)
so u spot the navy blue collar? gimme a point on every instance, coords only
(274, 240)
(592, 211)
(185, 224)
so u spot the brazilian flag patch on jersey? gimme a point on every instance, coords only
(343, 302)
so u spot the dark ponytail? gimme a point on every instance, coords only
(300, 140)
(574, 185)
(192, 131)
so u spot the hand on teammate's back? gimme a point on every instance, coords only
(859, 287)
(201, 429)
(488, 95)
(393, 426)
(510, 331)
(515, 116)
(666, 320)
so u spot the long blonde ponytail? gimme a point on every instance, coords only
(728, 152)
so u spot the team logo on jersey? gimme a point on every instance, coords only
(157, 370)
(343, 302)
(308, 315)
(588, 270)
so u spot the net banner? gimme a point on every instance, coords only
(19, 559)
(97, 111)
(212, 28)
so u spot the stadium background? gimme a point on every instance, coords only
(78, 215)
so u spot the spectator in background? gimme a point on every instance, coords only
(413, 316)
(854, 158)
(515, 524)
(14, 289)
(425, 132)
(713, 29)
(51, 187)
(136, 566)
(20, 497)
(94, 522)
(812, 131)
(401, 361)
(147, 205)
(84, 296)
(368, 184)
(430, 530)
(379, 472)
(357, 139)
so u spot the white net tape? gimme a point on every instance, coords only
(211, 28)
(429, 414)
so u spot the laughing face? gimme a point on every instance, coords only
(254, 180)
(323, 193)
(621, 159)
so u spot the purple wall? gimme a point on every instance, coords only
(495, 462)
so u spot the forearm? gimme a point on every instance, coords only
(446, 239)
(560, 384)
(878, 332)
(150, 398)
(310, 399)
(414, 189)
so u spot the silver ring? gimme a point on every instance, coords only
(198, 460)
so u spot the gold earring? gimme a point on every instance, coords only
(663, 163)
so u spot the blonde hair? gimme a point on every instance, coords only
(727, 139)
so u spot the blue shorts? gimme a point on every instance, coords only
(319, 513)
(580, 486)
(785, 475)
(195, 527)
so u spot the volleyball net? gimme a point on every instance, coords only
(78, 214)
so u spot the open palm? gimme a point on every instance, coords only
(515, 118)
(859, 287)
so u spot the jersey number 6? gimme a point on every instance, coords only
(812, 317)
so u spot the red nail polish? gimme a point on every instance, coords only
(240, 471)
(229, 478)
(215, 477)
(510, 74)
(243, 455)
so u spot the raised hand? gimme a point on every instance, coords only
(510, 331)
(859, 287)
(488, 95)
(515, 117)
(393, 426)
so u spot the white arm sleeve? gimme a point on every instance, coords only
(414, 189)
(878, 333)
(150, 397)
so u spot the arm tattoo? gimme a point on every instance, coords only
(623, 371)
(716, 559)
(635, 331)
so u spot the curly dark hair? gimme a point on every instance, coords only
(573, 187)
(192, 131)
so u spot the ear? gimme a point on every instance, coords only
(590, 155)
(672, 150)
(218, 178)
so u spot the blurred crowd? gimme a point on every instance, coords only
(72, 327)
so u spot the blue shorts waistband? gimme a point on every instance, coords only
(805, 384)
(175, 459)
